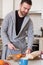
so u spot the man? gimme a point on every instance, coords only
(15, 28)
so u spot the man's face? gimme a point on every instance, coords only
(24, 8)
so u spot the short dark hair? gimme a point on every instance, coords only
(27, 1)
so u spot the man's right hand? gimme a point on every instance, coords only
(11, 46)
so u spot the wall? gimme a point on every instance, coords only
(0, 8)
(37, 22)
(7, 7)
(17, 2)
(13, 4)
(36, 5)
(36, 17)
(42, 8)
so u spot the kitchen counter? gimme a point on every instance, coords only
(40, 42)
(30, 62)
(38, 37)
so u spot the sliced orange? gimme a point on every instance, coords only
(18, 55)
(1, 62)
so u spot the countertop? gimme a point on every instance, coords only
(30, 62)
(38, 38)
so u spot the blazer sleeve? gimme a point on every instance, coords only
(4, 29)
(30, 37)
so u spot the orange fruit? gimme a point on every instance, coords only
(18, 55)
(1, 62)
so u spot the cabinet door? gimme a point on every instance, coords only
(17, 2)
(0, 8)
(36, 5)
(7, 7)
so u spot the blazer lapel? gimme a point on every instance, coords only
(26, 19)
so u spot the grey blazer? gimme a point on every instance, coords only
(8, 33)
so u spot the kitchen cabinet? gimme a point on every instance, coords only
(36, 5)
(5, 7)
(0, 8)
(40, 42)
(17, 2)
(8, 5)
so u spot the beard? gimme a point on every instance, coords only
(23, 13)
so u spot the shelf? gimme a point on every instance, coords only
(38, 38)
(36, 11)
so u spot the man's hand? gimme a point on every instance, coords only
(11, 46)
(28, 51)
